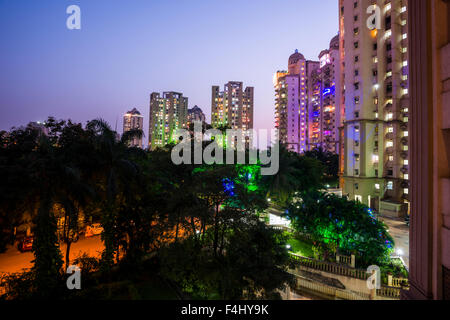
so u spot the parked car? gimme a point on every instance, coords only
(93, 230)
(26, 244)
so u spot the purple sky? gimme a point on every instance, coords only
(128, 49)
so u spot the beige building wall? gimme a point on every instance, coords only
(376, 101)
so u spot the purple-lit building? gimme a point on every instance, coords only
(292, 93)
(323, 109)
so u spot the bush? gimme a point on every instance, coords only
(17, 286)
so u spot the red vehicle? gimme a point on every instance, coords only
(26, 244)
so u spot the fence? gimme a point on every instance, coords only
(330, 292)
(329, 267)
(397, 282)
(347, 260)
(389, 293)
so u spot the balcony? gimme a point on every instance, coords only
(404, 170)
(389, 136)
(404, 126)
(404, 184)
(390, 150)
(404, 141)
(404, 155)
(389, 165)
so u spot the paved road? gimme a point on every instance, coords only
(13, 260)
(400, 232)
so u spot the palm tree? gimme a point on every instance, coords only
(115, 170)
(284, 183)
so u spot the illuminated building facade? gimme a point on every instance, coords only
(292, 93)
(195, 114)
(429, 60)
(232, 107)
(168, 113)
(374, 82)
(133, 120)
(323, 106)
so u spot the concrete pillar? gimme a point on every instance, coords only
(389, 280)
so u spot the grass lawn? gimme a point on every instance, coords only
(301, 248)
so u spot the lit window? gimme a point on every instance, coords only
(390, 185)
(377, 186)
(387, 8)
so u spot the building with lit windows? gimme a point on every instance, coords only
(429, 268)
(168, 113)
(323, 106)
(292, 93)
(374, 84)
(195, 115)
(133, 120)
(232, 107)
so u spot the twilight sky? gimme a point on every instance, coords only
(127, 49)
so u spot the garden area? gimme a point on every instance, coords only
(199, 223)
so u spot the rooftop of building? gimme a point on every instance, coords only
(334, 43)
(134, 112)
(295, 57)
(195, 109)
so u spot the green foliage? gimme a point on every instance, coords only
(341, 224)
(330, 162)
(252, 264)
(144, 203)
(297, 173)
(48, 262)
(301, 247)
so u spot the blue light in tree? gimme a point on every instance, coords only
(228, 186)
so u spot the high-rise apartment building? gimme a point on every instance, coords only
(232, 107)
(195, 114)
(168, 113)
(429, 61)
(133, 120)
(292, 93)
(323, 107)
(374, 82)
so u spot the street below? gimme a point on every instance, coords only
(400, 232)
(13, 261)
